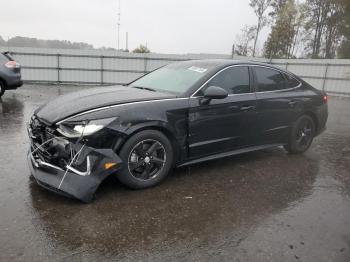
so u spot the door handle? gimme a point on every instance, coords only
(247, 108)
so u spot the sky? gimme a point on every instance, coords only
(166, 26)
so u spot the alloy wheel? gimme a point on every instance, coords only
(304, 134)
(146, 159)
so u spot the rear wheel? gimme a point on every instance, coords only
(2, 88)
(148, 157)
(301, 136)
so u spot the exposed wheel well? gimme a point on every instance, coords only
(166, 132)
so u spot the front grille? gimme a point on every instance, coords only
(39, 130)
(47, 146)
(40, 135)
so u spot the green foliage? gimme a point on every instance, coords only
(20, 41)
(141, 49)
(260, 7)
(281, 39)
(324, 20)
(321, 27)
(344, 48)
(276, 6)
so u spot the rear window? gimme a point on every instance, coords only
(291, 81)
(269, 79)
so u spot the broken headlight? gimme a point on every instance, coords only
(81, 129)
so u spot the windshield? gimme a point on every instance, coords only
(175, 78)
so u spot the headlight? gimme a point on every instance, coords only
(80, 129)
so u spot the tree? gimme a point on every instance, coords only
(324, 22)
(282, 39)
(344, 48)
(20, 41)
(317, 12)
(276, 6)
(300, 19)
(141, 49)
(325, 25)
(260, 7)
(332, 33)
(243, 40)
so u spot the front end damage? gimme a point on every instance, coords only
(70, 167)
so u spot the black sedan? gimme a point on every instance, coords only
(177, 115)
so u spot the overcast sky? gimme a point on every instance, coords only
(167, 26)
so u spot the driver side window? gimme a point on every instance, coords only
(235, 80)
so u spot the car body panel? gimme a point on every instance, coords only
(169, 115)
(68, 183)
(90, 99)
(230, 126)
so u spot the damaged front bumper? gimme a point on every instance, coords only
(80, 177)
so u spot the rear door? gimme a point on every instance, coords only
(276, 104)
(223, 124)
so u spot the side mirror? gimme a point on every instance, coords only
(215, 92)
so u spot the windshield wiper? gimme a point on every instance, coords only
(144, 88)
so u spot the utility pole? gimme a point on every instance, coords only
(118, 25)
(127, 41)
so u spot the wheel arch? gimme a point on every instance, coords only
(313, 116)
(164, 130)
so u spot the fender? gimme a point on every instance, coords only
(132, 118)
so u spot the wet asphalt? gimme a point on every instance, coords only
(261, 206)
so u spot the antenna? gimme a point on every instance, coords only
(118, 24)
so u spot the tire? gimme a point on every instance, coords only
(301, 135)
(148, 158)
(2, 88)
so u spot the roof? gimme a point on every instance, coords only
(218, 63)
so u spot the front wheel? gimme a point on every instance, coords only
(148, 158)
(301, 135)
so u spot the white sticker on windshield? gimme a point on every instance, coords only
(198, 69)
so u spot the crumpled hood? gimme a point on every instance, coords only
(77, 102)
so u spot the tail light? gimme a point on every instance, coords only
(325, 99)
(12, 64)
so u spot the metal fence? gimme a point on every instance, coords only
(108, 67)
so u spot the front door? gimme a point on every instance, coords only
(223, 124)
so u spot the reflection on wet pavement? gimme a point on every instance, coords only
(261, 206)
